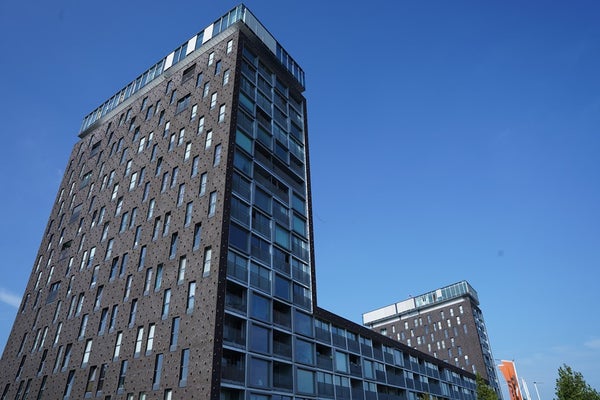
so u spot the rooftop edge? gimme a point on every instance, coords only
(436, 296)
(238, 13)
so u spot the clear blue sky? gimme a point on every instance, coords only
(449, 140)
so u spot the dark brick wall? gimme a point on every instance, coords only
(197, 329)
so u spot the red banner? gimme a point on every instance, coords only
(510, 375)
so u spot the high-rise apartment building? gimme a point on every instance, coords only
(177, 262)
(446, 323)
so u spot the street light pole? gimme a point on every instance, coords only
(536, 389)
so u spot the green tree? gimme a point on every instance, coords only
(570, 385)
(484, 391)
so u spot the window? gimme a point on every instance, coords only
(213, 100)
(197, 235)
(101, 378)
(174, 176)
(212, 204)
(124, 261)
(166, 303)
(104, 236)
(218, 66)
(173, 247)
(188, 151)
(115, 191)
(173, 96)
(149, 112)
(138, 341)
(158, 166)
(258, 373)
(229, 46)
(128, 167)
(56, 335)
(225, 77)
(151, 206)
(77, 211)
(113, 317)
(53, 292)
(150, 341)
(260, 277)
(89, 387)
(103, 319)
(200, 126)
(208, 141)
(222, 113)
(95, 148)
(98, 299)
(195, 163)
(79, 303)
(199, 79)
(211, 58)
(181, 270)
(124, 222)
(66, 357)
(85, 180)
(203, 180)
(133, 181)
(158, 279)
(217, 155)
(165, 182)
(156, 228)
(69, 384)
(180, 194)
(207, 259)
(183, 366)
(44, 334)
(206, 89)
(132, 312)
(188, 73)
(158, 362)
(142, 259)
(138, 234)
(148, 280)
(188, 213)
(174, 333)
(86, 353)
(341, 362)
(303, 352)
(124, 155)
(260, 307)
(122, 373)
(194, 112)
(191, 296)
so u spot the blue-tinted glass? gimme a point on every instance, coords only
(305, 381)
(282, 288)
(303, 324)
(258, 373)
(262, 200)
(243, 141)
(261, 308)
(259, 339)
(303, 352)
(238, 238)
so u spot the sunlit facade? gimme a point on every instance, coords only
(446, 323)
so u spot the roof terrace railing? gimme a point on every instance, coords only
(238, 13)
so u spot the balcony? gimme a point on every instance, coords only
(324, 361)
(232, 374)
(282, 350)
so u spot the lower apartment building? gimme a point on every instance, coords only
(446, 323)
